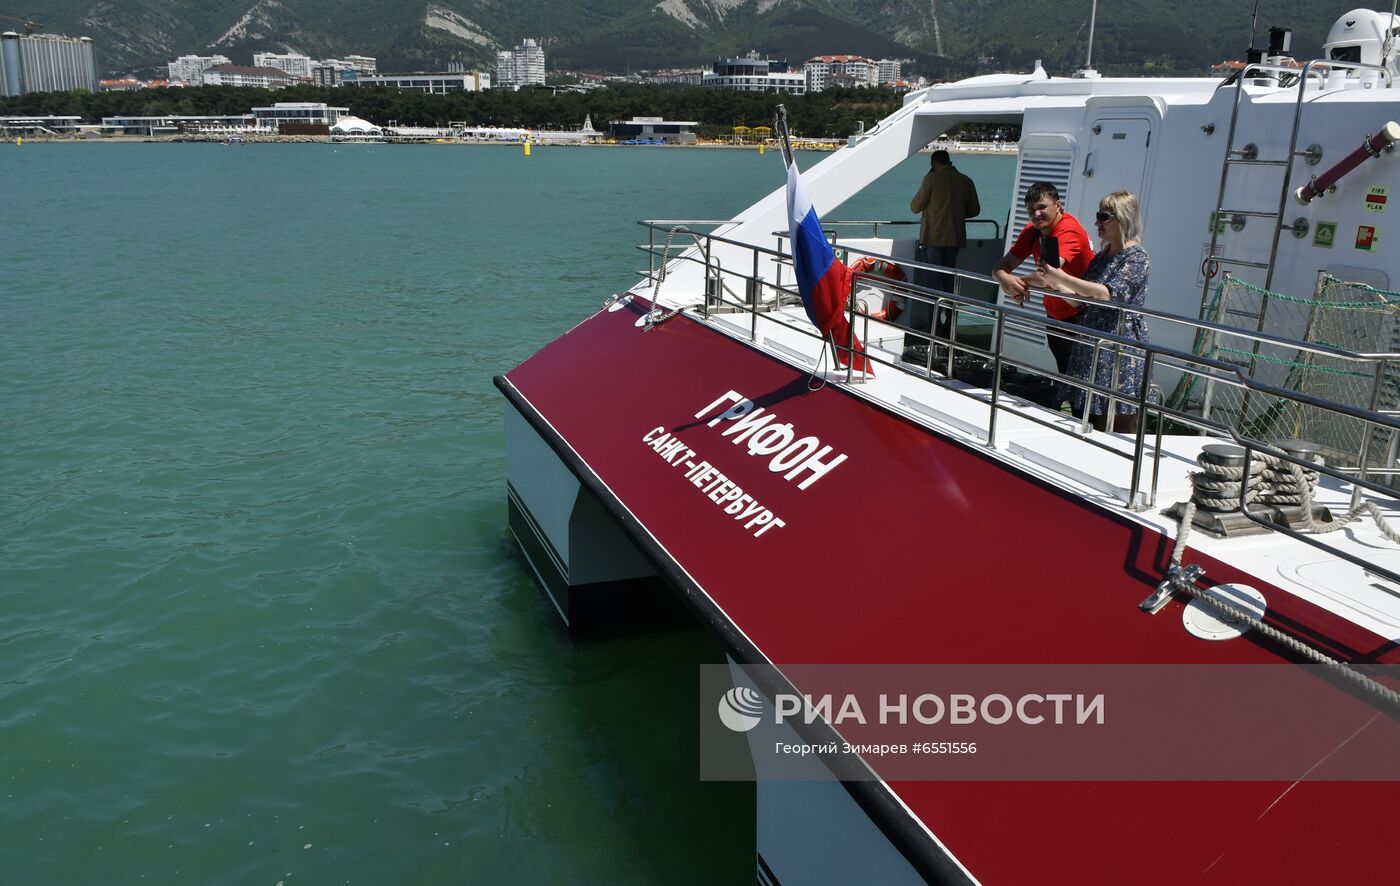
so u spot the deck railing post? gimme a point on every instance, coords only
(1091, 386)
(1139, 442)
(996, 384)
(851, 331)
(757, 299)
(1366, 432)
(651, 253)
(1156, 449)
(1110, 417)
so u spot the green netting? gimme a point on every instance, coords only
(1344, 315)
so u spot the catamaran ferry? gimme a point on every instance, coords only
(912, 494)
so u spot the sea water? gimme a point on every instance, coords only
(260, 617)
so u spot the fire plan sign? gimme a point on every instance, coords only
(1366, 237)
(1376, 198)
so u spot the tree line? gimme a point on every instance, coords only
(833, 113)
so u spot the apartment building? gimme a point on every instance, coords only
(45, 63)
(521, 66)
(188, 70)
(298, 66)
(824, 71)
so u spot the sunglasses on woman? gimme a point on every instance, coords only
(1103, 216)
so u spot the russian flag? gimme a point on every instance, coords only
(823, 280)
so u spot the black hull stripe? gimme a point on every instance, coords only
(765, 873)
(548, 546)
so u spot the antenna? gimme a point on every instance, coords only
(1089, 54)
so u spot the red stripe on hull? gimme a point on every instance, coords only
(972, 562)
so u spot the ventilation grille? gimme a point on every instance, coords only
(1037, 165)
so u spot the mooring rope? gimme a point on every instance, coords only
(1276, 481)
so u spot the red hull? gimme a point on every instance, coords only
(974, 562)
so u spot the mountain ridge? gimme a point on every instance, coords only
(941, 39)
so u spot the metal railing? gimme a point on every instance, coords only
(876, 224)
(765, 298)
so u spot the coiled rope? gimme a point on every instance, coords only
(1273, 481)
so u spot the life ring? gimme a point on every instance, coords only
(869, 264)
(890, 306)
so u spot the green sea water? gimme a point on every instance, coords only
(260, 617)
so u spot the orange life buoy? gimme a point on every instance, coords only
(879, 267)
(869, 264)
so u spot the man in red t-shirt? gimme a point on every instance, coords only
(1048, 219)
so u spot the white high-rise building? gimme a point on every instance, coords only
(189, 69)
(529, 63)
(45, 63)
(522, 66)
(505, 70)
(890, 69)
(295, 64)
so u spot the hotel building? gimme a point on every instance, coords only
(840, 70)
(242, 75)
(751, 73)
(45, 63)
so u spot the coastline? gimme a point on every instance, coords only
(248, 139)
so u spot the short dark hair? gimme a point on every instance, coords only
(1042, 189)
(940, 158)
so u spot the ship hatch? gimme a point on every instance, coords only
(1205, 621)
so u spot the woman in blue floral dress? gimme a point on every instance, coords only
(1116, 277)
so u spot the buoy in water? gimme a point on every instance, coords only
(527, 147)
(760, 149)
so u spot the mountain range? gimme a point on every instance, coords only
(940, 38)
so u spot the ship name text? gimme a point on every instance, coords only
(756, 428)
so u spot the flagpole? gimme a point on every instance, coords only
(780, 121)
